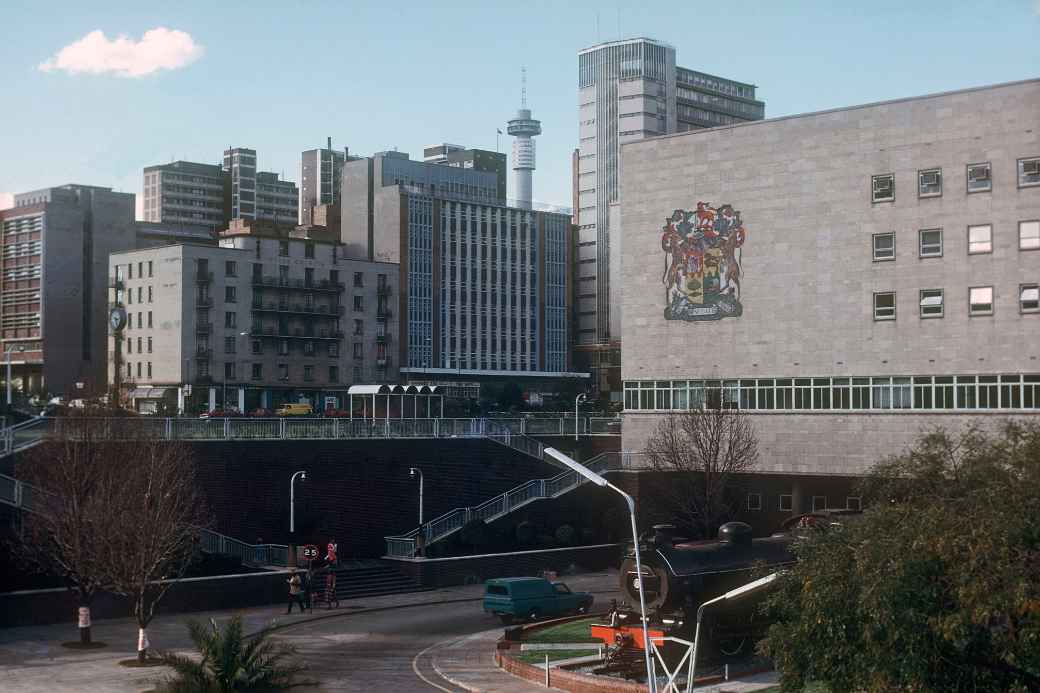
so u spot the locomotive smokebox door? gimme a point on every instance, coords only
(656, 584)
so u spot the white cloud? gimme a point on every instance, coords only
(6, 200)
(158, 49)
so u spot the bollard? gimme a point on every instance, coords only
(546, 670)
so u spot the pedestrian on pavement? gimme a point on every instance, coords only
(330, 552)
(295, 593)
(308, 578)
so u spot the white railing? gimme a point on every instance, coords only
(405, 545)
(511, 432)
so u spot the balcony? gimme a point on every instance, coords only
(287, 283)
(383, 290)
(115, 283)
(275, 333)
(203, 351)
(203, 277)
(297, 309)
(203, 327)
(384, 313)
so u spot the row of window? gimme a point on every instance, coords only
(140, 320)
(887, 393)
(978, 178)
(785, 502)
(930, 241)
(931, 302)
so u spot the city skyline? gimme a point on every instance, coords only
(115, 89)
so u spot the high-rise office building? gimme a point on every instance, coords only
(321, 175)
(629, 90)
(53, 310)
(477, 159)
(276, 200)
(484, 288)
(184, 192)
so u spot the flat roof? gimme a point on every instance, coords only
(753, 123)
(621, 42)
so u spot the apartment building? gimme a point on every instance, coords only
(857, 276)
(53, 295)
(484, 287)
(184, 192)
(266, 317)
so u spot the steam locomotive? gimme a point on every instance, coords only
(680, 575)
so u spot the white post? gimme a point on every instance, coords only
(9, 378)
(577, 400)
(241, 400)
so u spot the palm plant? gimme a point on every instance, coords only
(231, 661)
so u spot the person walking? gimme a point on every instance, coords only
(308, 577)
(295, 593)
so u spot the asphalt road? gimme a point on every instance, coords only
(375, 651)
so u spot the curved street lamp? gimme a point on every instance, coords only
(302, 475)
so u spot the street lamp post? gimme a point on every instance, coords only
(291, 558)
(7, 353)
(421, 537)
(595, 478)
(580, 399)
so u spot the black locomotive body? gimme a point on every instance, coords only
(680, 575)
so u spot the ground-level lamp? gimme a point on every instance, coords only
(302, 476)
(732, 595)
(580, 399)
(595, 478)
(7, 353)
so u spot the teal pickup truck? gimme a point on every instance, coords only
(533, 598)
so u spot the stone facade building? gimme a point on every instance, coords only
(850, 278)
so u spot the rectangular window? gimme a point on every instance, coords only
(229, 371)
(754, 501)
(980, 300)
(359, 304)
(229, 345)
(1029, 298)
(149, 268)
(283, 371)
(149, 294)
(257, 347)
(931, 242)
(308, 251)
(1029, 235)
(229, 320)
(149, 345)
(308, 348)
(885, 305)
(1029, 172)
(883, 188)
(231, 268)
(853, 503)
(149, 370)
(283, 347)
(308, 373)
(819, 503)
(358, 350)
(283, 248)
(980, 239)
(333, 374)
(786, 502)
(258, 371)
(230, 294)
(149, 318)
(333, 349)
(929, 182)
(359, 279)
(931, 303)
(979, 179)
(884, 246)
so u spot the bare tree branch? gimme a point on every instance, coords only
(706, 451)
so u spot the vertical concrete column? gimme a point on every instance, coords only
(212, 398)
(180, 400)
(798, 497)
(242, 400)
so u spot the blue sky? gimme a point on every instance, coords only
(280, 77)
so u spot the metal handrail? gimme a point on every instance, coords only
(404, 545)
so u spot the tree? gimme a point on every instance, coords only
(704, 452)
(162, 512)
(69, 516)
(231, 662)
(936, 587)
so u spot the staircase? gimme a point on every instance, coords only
(405, 545)
(371, 579)
(24, 435)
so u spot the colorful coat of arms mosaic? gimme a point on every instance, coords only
(702, 263)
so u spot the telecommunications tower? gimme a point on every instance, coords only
(523, 127)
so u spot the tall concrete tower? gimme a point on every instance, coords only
(523, 127)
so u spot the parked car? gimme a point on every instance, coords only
(532, 598)
(295, 409)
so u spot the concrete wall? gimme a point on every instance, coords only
(803, 188)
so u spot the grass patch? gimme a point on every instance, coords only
(554, 655)
(574, 631)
